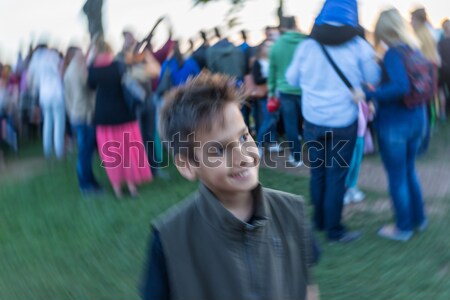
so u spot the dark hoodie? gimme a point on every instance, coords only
(227, 59)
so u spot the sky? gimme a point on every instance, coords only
(25, 21)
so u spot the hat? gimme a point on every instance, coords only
(342, 12)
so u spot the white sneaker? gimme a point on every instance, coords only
(293, 162)
(353, 195)
(358, 195)
(275, 148)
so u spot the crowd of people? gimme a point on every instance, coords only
(322, 88)
(333, 91)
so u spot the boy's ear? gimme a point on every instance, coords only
(184, 167)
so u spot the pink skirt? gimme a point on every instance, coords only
(123, 153)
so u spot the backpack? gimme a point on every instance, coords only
(420, 72)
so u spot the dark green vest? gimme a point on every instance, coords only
(212, 255)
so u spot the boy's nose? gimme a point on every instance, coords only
(245, 155)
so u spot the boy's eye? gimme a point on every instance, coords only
(244, 137)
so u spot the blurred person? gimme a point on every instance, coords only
(271, 33)
(266, 131)
(225, 58)
(80, 104)
(177, 68)
(280, 58)
(200, 53)
(419, 17)
(428, 46)
(330, 107)
(118, 136)
(144, 68)
(44, 77)
(444, 51)
(244, 46)
(231, 211)
(399, 127)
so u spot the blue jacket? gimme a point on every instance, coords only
(389, 95)
(180, 75)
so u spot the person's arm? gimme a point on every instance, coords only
(370, 69)
(398, 84)
(293, 71)
(155, 283)
(161, 54)
(272, 78)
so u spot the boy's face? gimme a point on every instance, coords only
(227, 159)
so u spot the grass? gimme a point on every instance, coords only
(56, 245)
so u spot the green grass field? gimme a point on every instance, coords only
(54, 244)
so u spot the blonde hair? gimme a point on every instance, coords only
(391, 28)
(428, 45)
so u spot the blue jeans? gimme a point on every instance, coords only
(329, 154)
(399, 144)
(267, 130)
(251, 107)
(292, 118)
(54, 116)
(86, 146)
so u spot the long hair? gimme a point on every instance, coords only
(427, 44)
(177, 54)
(391, 28)
(71, 51)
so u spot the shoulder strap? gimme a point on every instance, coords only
(336, 68)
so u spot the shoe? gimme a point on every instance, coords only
(353, 195)
(275, 148)
(358, 195)
(348, 197)
(391, 232)
(347, 237)
(423, 226)
(295, 163)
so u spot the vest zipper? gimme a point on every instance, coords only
(249, 261)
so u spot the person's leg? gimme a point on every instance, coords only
(339, 146)
(59, 116)
(80, 131)
(316, 163)
(289, 110)
(147, 125)
(266, 129)
(89, 153)
(47, 134)
(245, 110)
(415, 191)
(393, 150)
(86, 145)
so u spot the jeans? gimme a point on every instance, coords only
(399, 143)
(329, 154)
(267, 132)
(146, 115)
(86, 146)
(54, 128)
(292, 118)
(251, 107)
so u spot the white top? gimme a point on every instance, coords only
(326, 100)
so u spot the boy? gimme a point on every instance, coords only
(233, 239)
